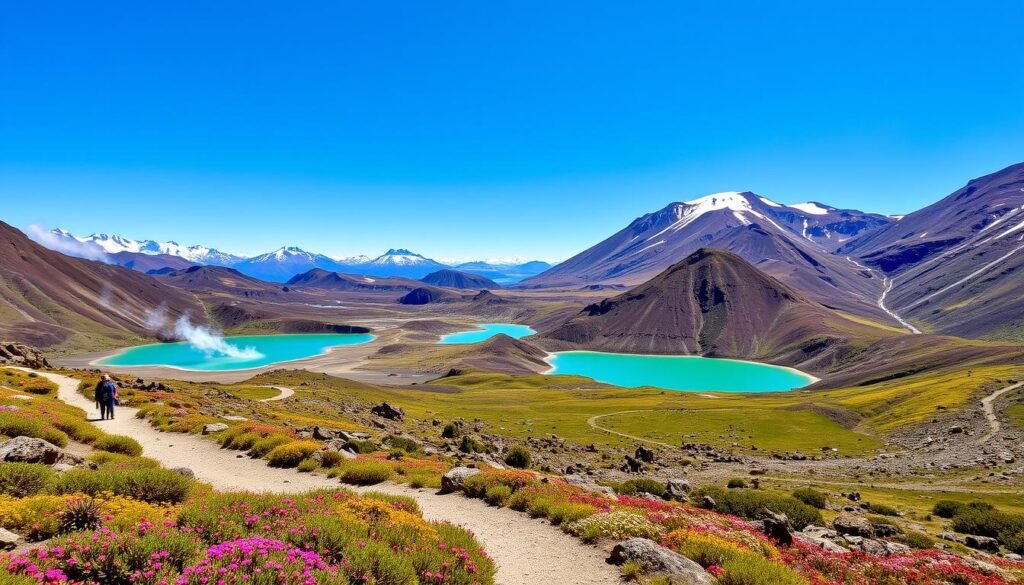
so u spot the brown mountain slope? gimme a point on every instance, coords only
(712, 303)
(448, 278)
(218, 279)
(48, 299)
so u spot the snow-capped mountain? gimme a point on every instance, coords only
(394, 262)
(790, 242)
(114, 244)
(284, 263)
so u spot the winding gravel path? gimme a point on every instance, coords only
(592, 421)
(527, 551)
(988, 405)
(284, 393)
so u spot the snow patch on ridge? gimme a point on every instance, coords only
(811, 207)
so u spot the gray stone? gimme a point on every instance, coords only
(456, 478)
(185, 471)
(8, 539)
(777, 526)
(388, 411)
(214, 428)
(32, 450)
(853, 525)
(657, 559)
(678, 489)
(984, 543)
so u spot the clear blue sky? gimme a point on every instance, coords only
(487, 129)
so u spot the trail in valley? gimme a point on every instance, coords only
(887, 284)
(284, 393)
(527, 551)
(988, 405)
(592, 421)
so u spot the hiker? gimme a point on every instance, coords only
(106, 396)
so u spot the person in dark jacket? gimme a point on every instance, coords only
(106, 396)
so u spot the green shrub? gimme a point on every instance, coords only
(243, 441)
(363, 447)
(569, 512)
(632, 487)
(424, 479)
(308, 464)
(497, 495)
(381, 564)
(992, 523)
(79, 515)
(14, 424)
(119, 444)
(736, 483)
(471, 445)
(291, 454)
(618, 525)
(264, 446)
(753, 569)
(518, 457)
(915, 539)
(330, 459)
(811, 497)
(451, 431)
(366, 472)
(118, 461)
(146, 484)
(946, 508)
(399, 502)
(632, 570)
(749, 503)
(24, 479)
(403, 443)
(883, 509)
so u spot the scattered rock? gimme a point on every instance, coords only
(678, 489)
(850, 524)
(456, 478)
(644, 454)
(32, 450)
(185, 471)
(659, 560)
(388, 411)
(211, 428)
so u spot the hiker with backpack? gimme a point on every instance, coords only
(106, 397)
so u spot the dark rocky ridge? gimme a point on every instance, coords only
(454, 279)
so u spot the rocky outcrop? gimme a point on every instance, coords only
(19, 354)
(32, 450)
(657, 559)
(853, 525)
(456, 478)
(388, 411)
(8, 540)
(211, 428)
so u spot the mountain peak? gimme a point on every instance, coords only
(401, 252)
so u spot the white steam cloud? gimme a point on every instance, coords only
(66, 244)
(198, 336)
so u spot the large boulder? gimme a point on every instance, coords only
(821, 537)
(853, 525)
(211, 428)
(985, 543)
(777, 526)
(32, 450)
(678, 489)
(456, 478)
(19, 354)
(8, 539)
(657, 559)
(388, 411)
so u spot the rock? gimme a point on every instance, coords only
(955, 430)
(456, 478)
(850, 524)
(708, 502)
(985, 543)
(8, 539)
(61, 467)
(883, 530)
(678, 489)
(388, 411)
(821, 537)
(211, 428)
(325, 434)
(632, 465)
(980, 566)
(21, 355)
(777, 526)
(1014, 557)
(32, 450)
(657, 559)
(185, 471)
(644, 454)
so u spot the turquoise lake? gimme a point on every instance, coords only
(688, 373)
(234, 353)
(486, 331)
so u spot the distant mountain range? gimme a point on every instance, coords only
(277, 266)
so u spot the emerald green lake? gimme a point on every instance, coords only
(687, 373)
(486, 331)
(234, 353)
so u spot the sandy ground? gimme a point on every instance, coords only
(284, 393)
(527, 551)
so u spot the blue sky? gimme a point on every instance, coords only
(479, 129)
